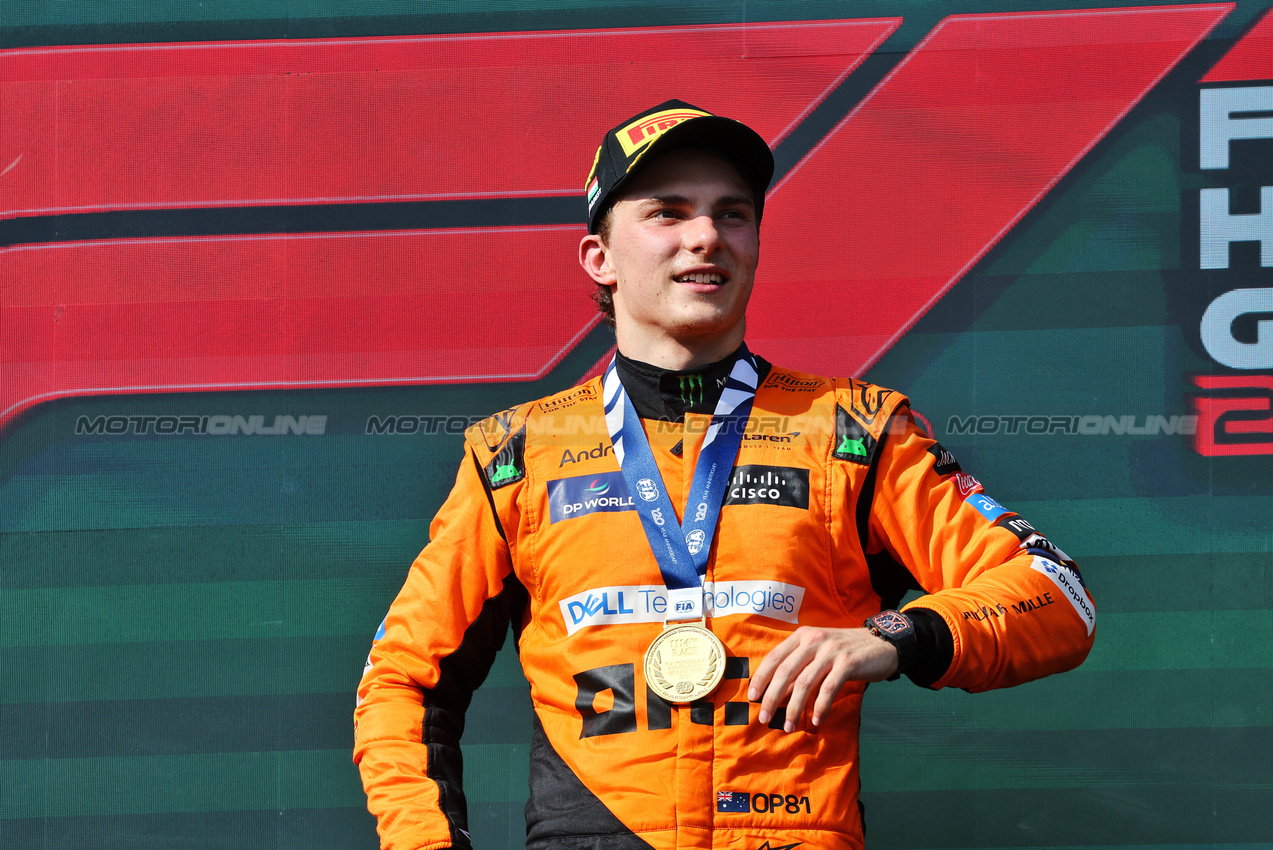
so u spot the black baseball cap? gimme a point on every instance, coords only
(668, 126)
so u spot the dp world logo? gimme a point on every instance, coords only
(646, 490)
(587, 494)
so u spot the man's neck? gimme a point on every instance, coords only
(678, 355)
(668, 394)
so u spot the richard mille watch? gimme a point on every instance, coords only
(896, 628)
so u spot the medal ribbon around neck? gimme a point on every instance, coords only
(681, 550)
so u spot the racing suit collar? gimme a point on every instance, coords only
(669, 394)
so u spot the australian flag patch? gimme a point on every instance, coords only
(733, 801)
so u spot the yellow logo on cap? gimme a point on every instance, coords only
(641, 132)
(592, 172)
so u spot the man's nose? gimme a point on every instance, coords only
(701, 233)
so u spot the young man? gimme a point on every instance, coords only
(702, 594)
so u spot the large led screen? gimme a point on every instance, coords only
(262, 264)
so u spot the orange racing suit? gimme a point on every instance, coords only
(838, 503)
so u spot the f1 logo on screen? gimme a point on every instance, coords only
(227, 256)
(1235, 133)
(1237, 418)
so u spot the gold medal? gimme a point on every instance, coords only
(684, 663)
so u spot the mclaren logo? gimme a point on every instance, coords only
(641, 132)
(768, 846)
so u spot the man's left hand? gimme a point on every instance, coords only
(818, 661)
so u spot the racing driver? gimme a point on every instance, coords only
(701, 594)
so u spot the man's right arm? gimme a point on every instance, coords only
(436, 646)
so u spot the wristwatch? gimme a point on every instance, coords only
(896, 628)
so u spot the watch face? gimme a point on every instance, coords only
(891, 622)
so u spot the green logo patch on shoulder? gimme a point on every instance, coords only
(509, 464)
(850, 446)
(852, 441)
(508, 470)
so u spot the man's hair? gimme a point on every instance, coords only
(601, 294)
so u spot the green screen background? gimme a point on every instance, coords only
(183, 622)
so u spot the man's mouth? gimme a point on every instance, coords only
(715, 278)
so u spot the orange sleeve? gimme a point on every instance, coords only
(435, 647)
(1015, 605)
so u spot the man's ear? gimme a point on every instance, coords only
(594, 256)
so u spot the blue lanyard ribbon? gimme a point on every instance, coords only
(681, 550)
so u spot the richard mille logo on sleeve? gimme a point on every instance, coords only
(755, 484)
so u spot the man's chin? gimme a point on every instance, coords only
(703, 324)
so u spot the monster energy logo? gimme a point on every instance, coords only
(691, 389)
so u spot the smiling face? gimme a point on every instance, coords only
(680, 258)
